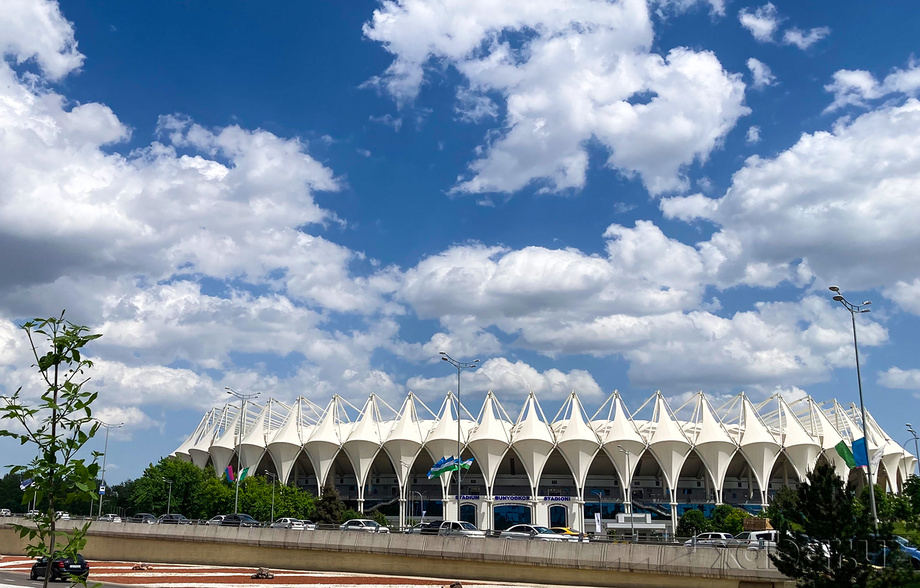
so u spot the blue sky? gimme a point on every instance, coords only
(308, 199)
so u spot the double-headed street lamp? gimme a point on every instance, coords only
(854, 310)
(104, 451)
(460, 365)
(910, 429)
(239, 439)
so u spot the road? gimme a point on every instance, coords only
(14, 573)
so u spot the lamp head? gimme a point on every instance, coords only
(475, 361)
(834, 289)
(443, 359)
(838, 298)
(867, 303)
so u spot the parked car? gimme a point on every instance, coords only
(909, 550)
(31, 514)
(565, 531)
(143, 517)
(239, 520)
(430, 528)
(215, 520)
(173, 519)
(460, 529)
(5, 512)
(288, 523)
(61, 516)
(710, 540)
(415, 529)
(366, 525)
(308, 525)
(109, 518)
(754, 539)
(530, 532)
(60, 568)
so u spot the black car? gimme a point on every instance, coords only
(430, 528)
(61, 568)
(143, 517)
(239, 520)
(173, 519)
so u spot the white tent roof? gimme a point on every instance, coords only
(711, 441)
(252, 447)
(532, 440)
(758, 444)
(667, 442)
(326, 440)
(575, 439)
(490, 440)
(223, 448)
(200, 452)
(441, 441)
(182, 451)
(287, 442)
(405, 439)
(801, 448)
(365, 441)
(619, 431)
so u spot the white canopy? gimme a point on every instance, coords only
(532, 440)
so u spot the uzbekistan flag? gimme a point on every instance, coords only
(448, 464)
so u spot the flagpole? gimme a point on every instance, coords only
(239, 455)
(460, 365)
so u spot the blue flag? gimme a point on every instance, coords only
(25, 484)
(860, 453)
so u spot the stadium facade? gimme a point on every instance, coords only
(556, 472)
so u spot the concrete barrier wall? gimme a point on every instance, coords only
(586, 564)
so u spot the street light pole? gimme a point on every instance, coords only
(274, 477)
(913, 434)
(854, 310)
(104, 452)
(460, 365)
(628, 493)
(239, 440)
(169, 500)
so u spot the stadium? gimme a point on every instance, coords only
(557, 472)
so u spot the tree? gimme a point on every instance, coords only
(58, 427)
(827, 540)
(329, 507)
(151, 491)
(692, 523)
(728, 519)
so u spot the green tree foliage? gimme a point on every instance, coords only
(692, 523)
(785, 501)
(10, 494)
(728, 519)
(256, 499)
(329, 507)
(58, 427)
(827, 540)
(151, 490)
(201, 494)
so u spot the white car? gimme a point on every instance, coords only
(216, 520)
(5, 512)
(755, 539)
(62, 516)
(365, 525)
(288, 523)
(711, 539)
(109, 518)
(528, 532)
(460, 529)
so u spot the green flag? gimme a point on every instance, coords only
(243, 474)
(847, 455)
